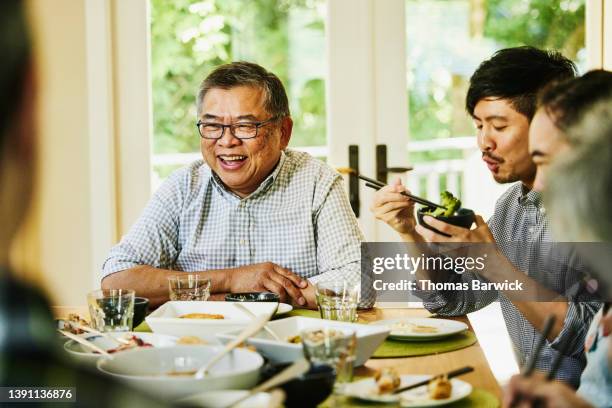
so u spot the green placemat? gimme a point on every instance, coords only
(143, 327)
(479, 398)
(301, 312)
(394, 348)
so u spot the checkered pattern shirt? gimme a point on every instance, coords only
(522, 232)
(299, 218)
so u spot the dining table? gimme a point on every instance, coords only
(481, 378)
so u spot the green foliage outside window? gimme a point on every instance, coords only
(189, 38)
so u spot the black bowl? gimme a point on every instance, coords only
(463, 218)
(141, 307)
(307, 390)
(252, 297)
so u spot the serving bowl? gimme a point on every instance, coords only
(168, 372)
(83, 355)
(167, 319)
(369, 337)
(252, 297)
(307, 390)
(463, 218)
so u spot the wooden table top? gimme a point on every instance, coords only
(481, 377)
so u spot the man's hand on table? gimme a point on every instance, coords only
(309, 294)
(270, 277)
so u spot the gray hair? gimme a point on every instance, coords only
(248, 74)
(580, 193)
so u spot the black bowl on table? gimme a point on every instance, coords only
(307, 390)
(252, 297)
(141, 307)
(463, 218)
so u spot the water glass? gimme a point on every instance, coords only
(337, 300)
(189, 287)
(111, 309)
(334, 347)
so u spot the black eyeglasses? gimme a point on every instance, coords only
(243, 130)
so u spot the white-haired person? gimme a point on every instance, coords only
(578, 196)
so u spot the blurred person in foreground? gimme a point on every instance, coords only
(581, 144)
(30, 353)
(253, 215)
(501, 100)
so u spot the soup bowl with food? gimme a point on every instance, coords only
(169, 372)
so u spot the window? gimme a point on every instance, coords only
(446, 40)
(189, 38)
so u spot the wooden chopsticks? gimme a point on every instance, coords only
(450, 374)
(377, 185)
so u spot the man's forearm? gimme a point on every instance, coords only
(537, 312)
(152, 283)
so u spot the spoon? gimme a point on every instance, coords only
(86, 343)
(294, 370)
(255, 326)
(251, 314)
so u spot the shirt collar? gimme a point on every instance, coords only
(263, 187)
(529, 196)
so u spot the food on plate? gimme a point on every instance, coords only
(295, 339)
(413, 328)
(190, 340)
(439, 387)
(387, 380)
(202, 316)
(76, 321)
(449, 201)
(134, 342)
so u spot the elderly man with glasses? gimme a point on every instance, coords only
(253, 215)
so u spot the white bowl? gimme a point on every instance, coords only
(226, 398)
(166, 319)
(148, 368)
(83, 355)
(369, 337)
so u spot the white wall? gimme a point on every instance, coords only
(59, 36)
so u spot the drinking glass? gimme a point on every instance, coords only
(189, 287)
(337, 300)
(331, 346)
(111, 309)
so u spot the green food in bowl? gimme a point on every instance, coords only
(449, 201)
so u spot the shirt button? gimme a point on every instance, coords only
(543, 210)
(242, 242)
(531, 229)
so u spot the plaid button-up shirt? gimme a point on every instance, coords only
(299, 218)
(522, 232)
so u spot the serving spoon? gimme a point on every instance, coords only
(251, 314)
(256, 325)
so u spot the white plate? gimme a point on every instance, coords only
(443, 328)
(166, 319)
(369, 337)
(83, 355)
(225, 398)
(365, 390)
